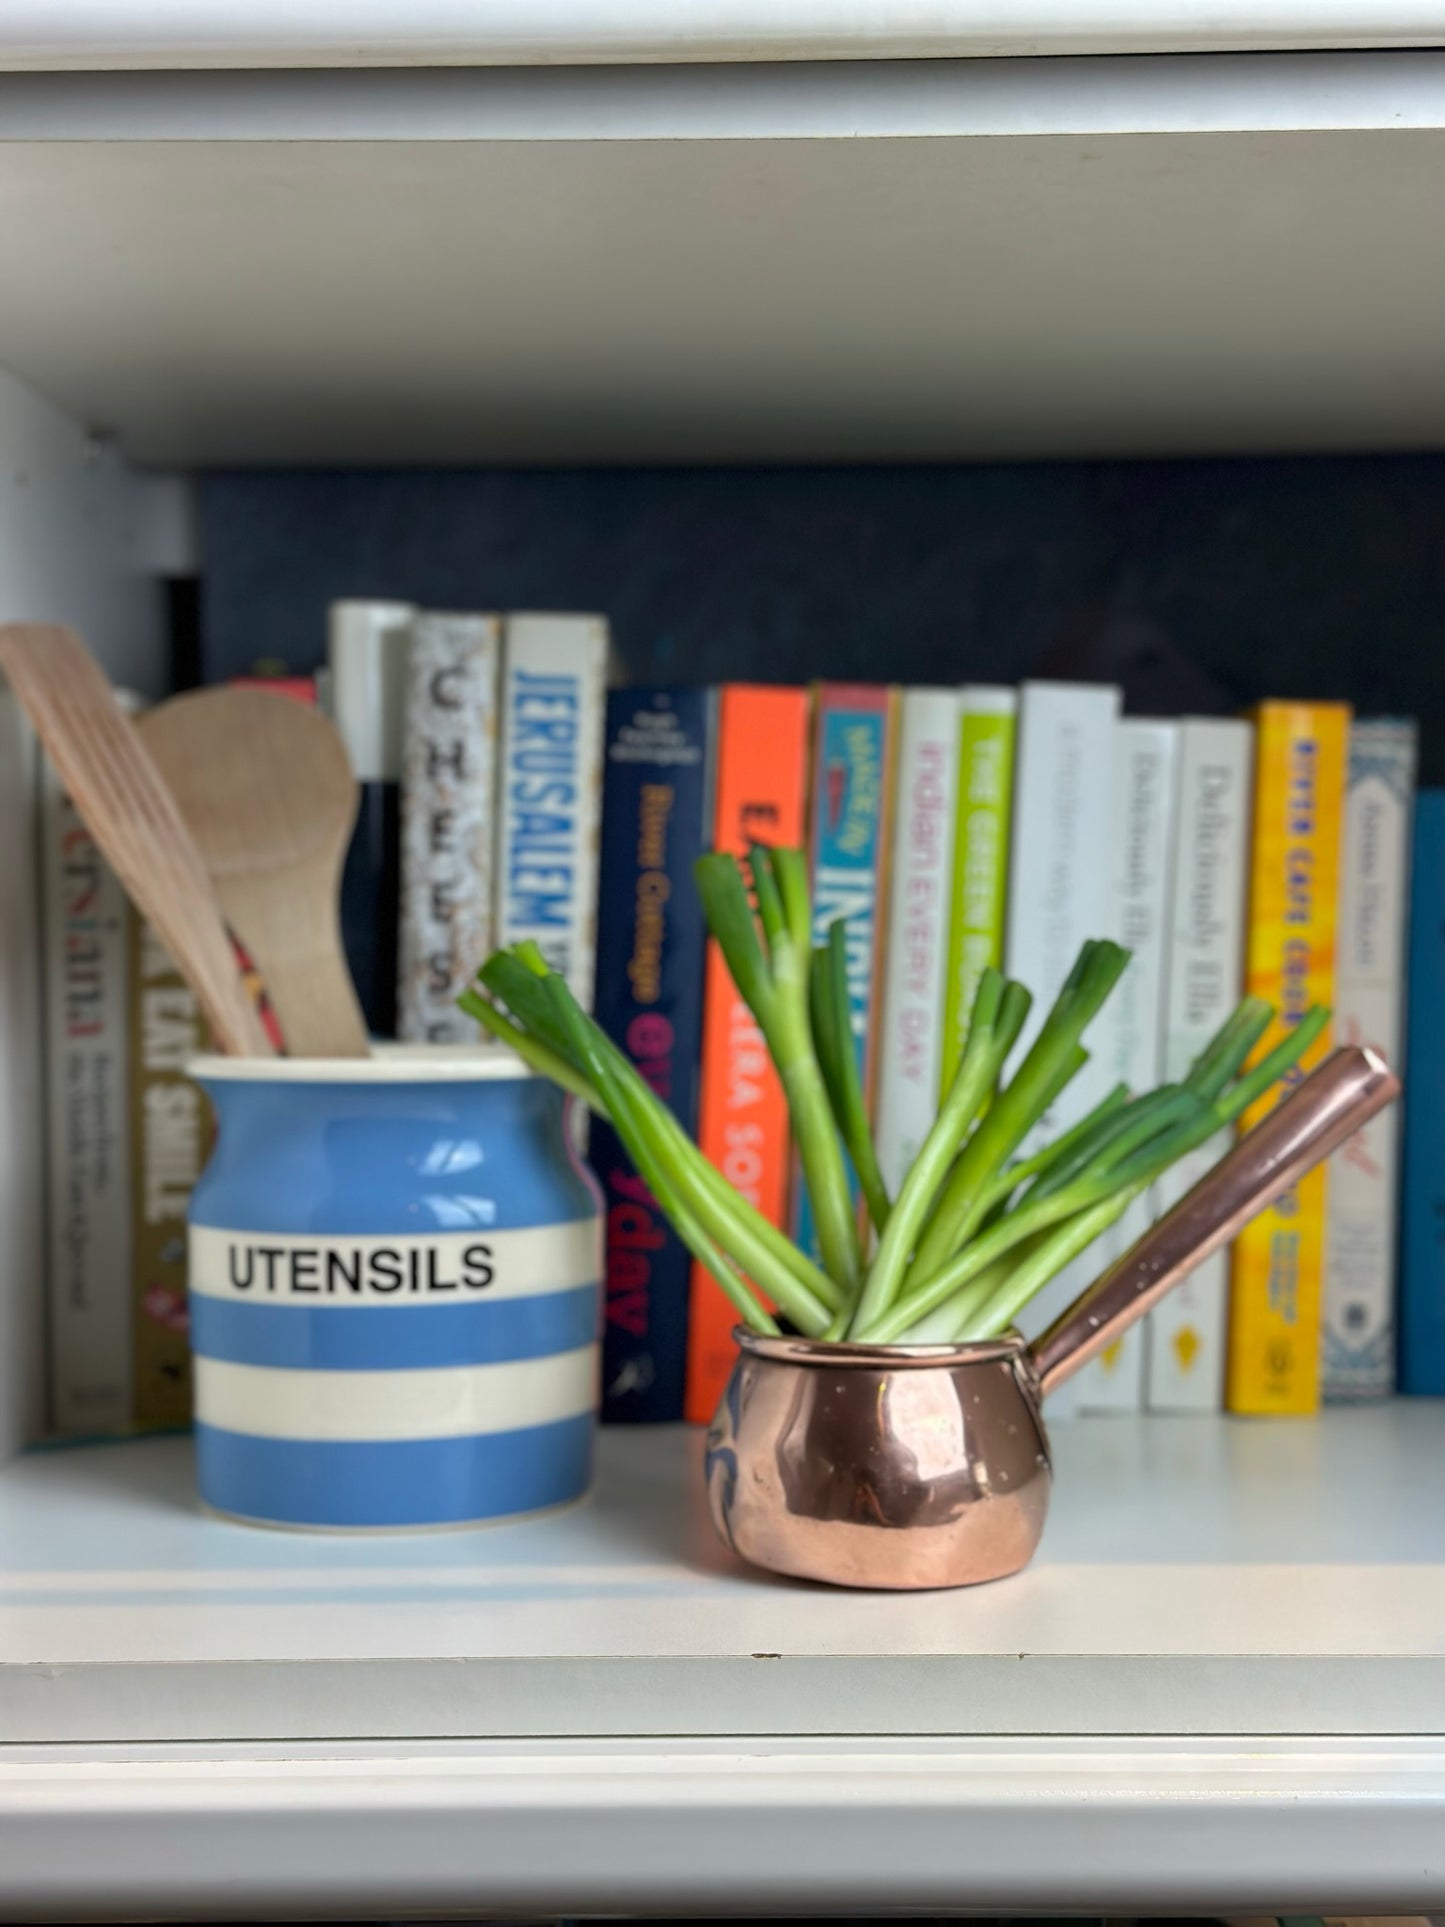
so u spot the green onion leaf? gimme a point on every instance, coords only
(730, 919)
(837, 1052)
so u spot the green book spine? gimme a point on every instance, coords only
(988, 723)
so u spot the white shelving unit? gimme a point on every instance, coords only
(855, 261)
(431, 33)
(1221, 1687)
(733, 231)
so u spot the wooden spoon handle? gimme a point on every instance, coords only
(133, 817)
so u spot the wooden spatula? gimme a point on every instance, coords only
(267, 792)
(133, 817)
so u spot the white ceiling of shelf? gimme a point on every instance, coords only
(939, 260)
(299, 33)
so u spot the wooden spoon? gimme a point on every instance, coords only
(133, 817)
(266, 789)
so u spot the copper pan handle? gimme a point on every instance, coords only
(1329, 1106)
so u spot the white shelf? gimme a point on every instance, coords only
(265, 33)
(1222, 1686)
(849, 261)
(1196, 1578)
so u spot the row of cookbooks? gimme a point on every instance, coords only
(507, 792)
(952, 828)
(956, 828)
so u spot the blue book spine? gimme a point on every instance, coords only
(651, 941)
(1422, 1273)
(852, 757)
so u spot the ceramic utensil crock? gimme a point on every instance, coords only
(395, 1292)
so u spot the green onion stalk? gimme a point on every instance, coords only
(984, 1217)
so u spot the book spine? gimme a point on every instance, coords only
(762, 752)
(554, 678)
(1361, 1230)
(987, 727)
(657, 819)
(24, 1377)
(1278, 1265)
(910, 1040)
(1422, 1275)
(88, 1180)
(1059, 895)
(853, 741)
(1204, 980)
(1142, 853)
(366, 694)
(171, 1133)
(449, 769)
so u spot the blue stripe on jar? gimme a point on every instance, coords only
(372, 1160)
(409, 1482)
(394, 1336)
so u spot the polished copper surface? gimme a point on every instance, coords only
(912, 1466)
(895, 1467)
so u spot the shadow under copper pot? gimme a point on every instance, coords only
(866, 1465)
(913, 1466)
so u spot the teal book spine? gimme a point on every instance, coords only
(1422, 1277)
(851, 782)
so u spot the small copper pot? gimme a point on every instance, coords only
(915, 1466)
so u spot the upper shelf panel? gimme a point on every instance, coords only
(849, 262)
(427, 33)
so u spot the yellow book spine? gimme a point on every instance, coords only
(1278, 1266)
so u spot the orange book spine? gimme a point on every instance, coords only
(762, 774)
(1278, 1265)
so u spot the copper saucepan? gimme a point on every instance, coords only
(928, 1465)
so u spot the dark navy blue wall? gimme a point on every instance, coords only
(1197, 584)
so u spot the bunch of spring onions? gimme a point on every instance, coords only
(978, 1225)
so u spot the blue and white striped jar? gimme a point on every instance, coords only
(395, 1275)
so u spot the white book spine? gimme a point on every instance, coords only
(911, 1030)
(553, 720)
(1185, 1334)
(1058, 896)
(364, 686)
(1362, 1225)
(1131, 1045)
(449, 766)
(88, 1287)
